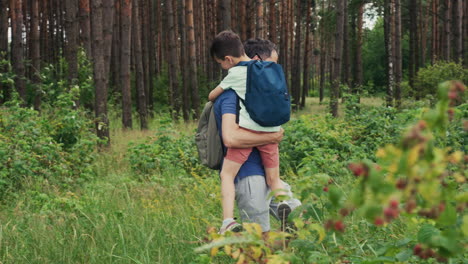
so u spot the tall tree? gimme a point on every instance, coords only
(322, 53)
(138, 65)
(389, 47)
(346, 71)
(100, 78)
(243, 19)
(184, 61)
(447, 29)
(192, 59)
(272, 22)
(125, 52)
(85, 26)
(107, 26)
(434, 35)
(172, 59)
(35, 53)
(260, 30)
(307, 53)
(458, 30)
(72, 34)
(413, 44)
(335, 89)
(4, 89)
(398, 55)
(358, 74)
(17, 49)
(296, 78)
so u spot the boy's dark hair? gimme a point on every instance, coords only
(226, 43)
(259, 47)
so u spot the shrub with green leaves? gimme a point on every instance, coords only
(57, 145)
(429, 77)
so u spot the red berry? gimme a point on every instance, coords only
(422, 124)
(339, 226)
(441, 207)
(325, 189)
(401, 184)
(358, 169)
(388, 212)
(417, 249)
(394, 204)
(452, 95)
(344, 212)
(378, 221)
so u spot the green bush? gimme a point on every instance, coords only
(428, 78)
(57, 145)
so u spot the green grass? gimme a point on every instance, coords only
(116, 218)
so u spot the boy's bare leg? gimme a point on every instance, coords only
(274, 182)
(228, 173)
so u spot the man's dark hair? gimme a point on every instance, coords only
(226, 43)
(259, 47)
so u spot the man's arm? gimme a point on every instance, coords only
(237, 137)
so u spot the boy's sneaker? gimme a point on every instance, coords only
(232, 226)
(283, 212)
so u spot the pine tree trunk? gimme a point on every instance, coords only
(398, 55)
(4, 89)
(346, 72)
(85, 26)
(226, 11)
(413, 45)
(358, 76)
(100, 78)
(125, 53)
(138, 62)
(172, 61)
(72, 33)
(447, 29)
(35, 53)
(335, 91)
(434, 39)
(152, 58)
(17, 49)
(115, 54)
(250, 18)
(458, 30)
(192, 60)
(243, 19)
(260, 30)
(272, 22)
(296, 78)
(307, 55)
(108, 25)
(322, 56)
(388, 29)
(184, 61)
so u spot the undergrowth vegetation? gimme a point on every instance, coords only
(373, 190)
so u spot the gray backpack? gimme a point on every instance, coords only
(210, 149)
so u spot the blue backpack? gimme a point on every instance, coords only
(266, 99)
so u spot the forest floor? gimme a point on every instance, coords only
(117, 218)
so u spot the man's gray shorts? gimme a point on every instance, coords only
(254, 203)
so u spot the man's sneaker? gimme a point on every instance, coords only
(283, 212)
(233, 227)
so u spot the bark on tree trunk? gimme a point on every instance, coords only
(85, 26)
(35, 53)
(458, 30)
(296, 78)
(448, 29)
(272, 23)
(388, 29)
(102, 121)
(125, 52)
(172, 61)
(346, 72)
(17, 49)
(115, 55)
(335, 91)
(192, 60)
(184, 62)
(358, 56)
(138, 61)
(243, 19)
(307, 55)
(398, 56)
(434, 40)
(4, 89)
(72, 33)
(413, 43)
(260, 30)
